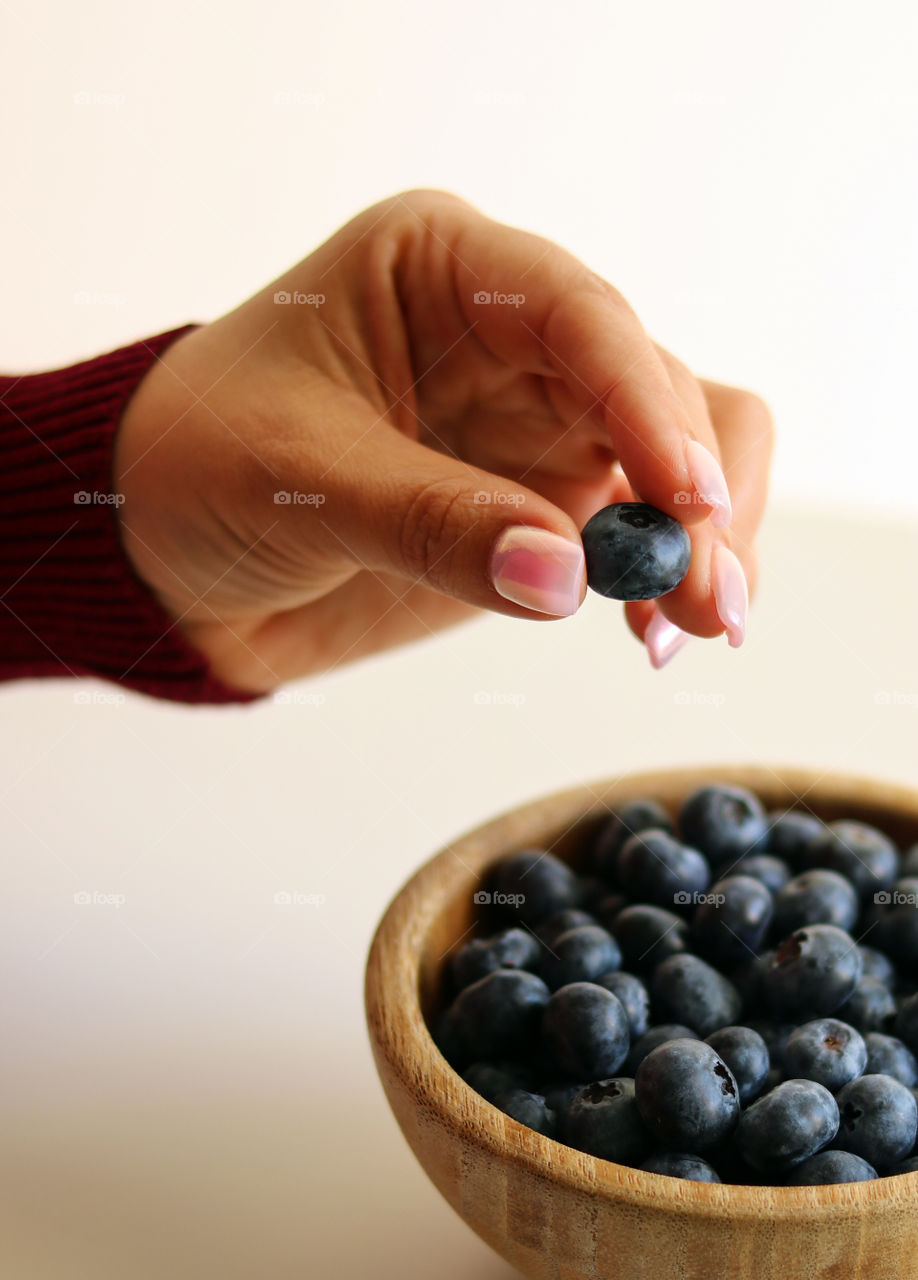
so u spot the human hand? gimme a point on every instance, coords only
(411, 426)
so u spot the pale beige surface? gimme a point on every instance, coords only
(185, 1082)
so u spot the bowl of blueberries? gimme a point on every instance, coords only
(666, 1026)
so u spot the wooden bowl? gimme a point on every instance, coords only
(559, 1214)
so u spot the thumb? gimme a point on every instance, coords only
(399, 507)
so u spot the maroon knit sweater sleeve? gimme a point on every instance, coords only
(70, 602)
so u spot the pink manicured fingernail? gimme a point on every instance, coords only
(731, 594)
(663, 639)
(538, 569)
(710, 482)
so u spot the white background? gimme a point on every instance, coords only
(186, 1088)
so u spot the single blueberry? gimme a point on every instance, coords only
(773, 872)
(687, 988)
(813, 972)
(747, 978)
(634, 996)
(655, 867)
(635, 552)
(746, 1054)
(635, 816)
(877, 964)
(775, 1034)
(557, 1096)
(723, 821)
(906, 1022)
(529, 1109)
(815, 897)
(499, 1015)
(857, 850)
(648, 934)
(553, 926)
(580, 955)
(731, 922)
(585, 1027)
(603, 1120)
(652, 1038)
(870, 1007)
(510, 949)
(787, 1125)
(879, 1119)
(492, 1078)
(687, 1095)
(826, 1050)
(677, 1164)
(888, 1056)
(790, 831)
(531, 885)
(831, 1166)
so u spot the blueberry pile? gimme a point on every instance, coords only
(730, 996)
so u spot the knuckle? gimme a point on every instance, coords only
(752, 410)
(431, 527)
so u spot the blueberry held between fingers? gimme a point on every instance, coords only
(687, 1095)
(635, 552)
(787, 1125)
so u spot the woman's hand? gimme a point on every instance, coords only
(343, 463)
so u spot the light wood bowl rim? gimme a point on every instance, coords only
(391, 983)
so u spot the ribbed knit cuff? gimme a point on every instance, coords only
(70, 602)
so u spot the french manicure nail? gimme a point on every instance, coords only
(663, 639)
(538, 569)
(710, 482)
(731, 594)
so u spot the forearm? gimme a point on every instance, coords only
(70, 603)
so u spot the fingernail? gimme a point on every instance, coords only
(539, 570)
(710, 482)
(731, 594)
(663, 639)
